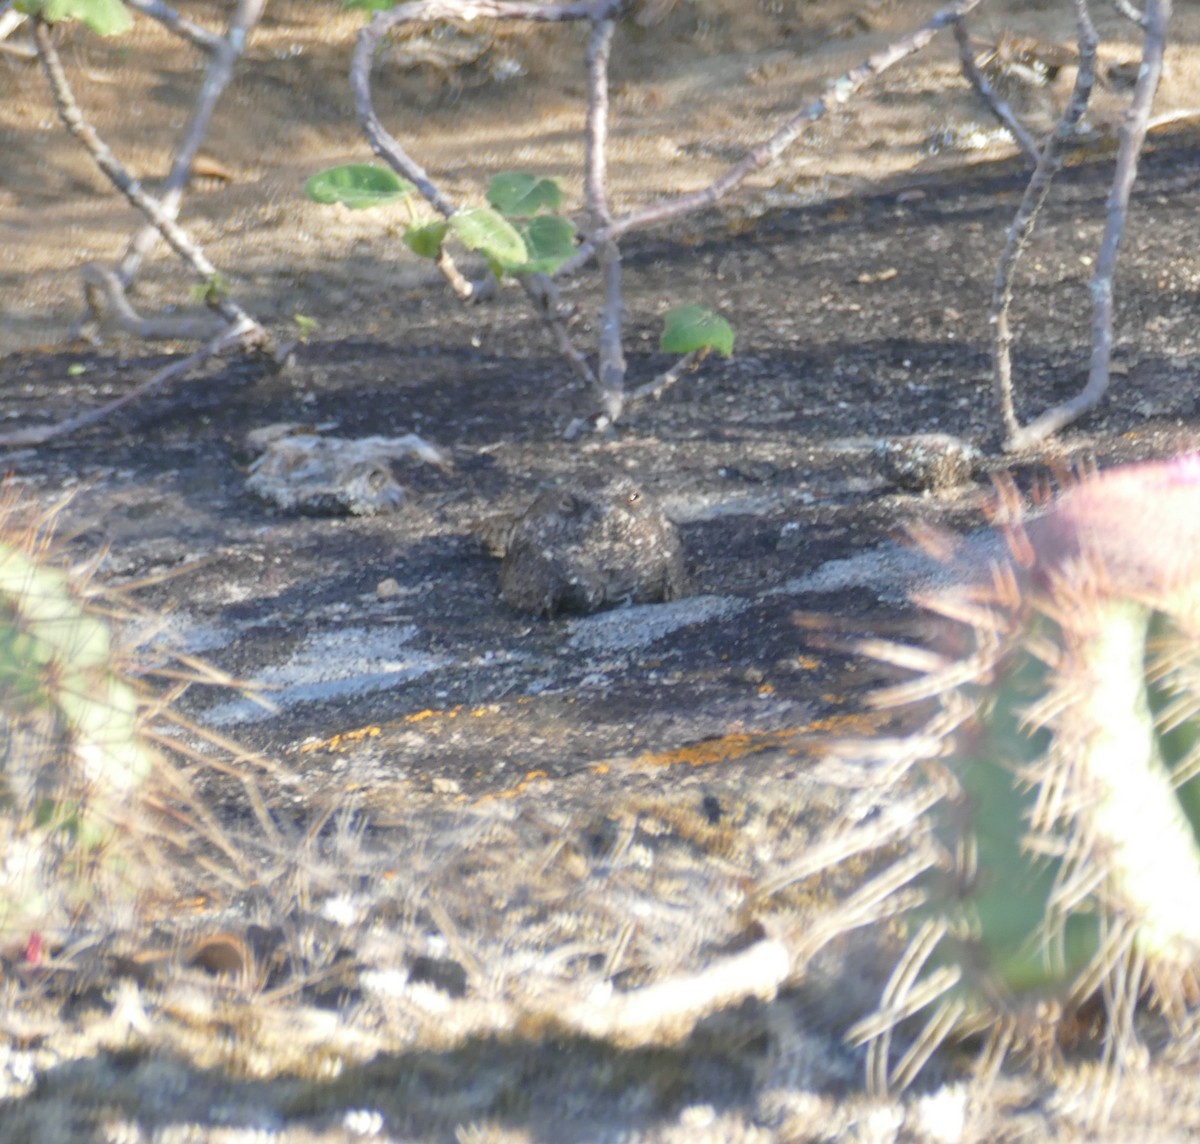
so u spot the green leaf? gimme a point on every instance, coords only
(305, 324)
(516, 194)
(370, 5)
(104, 17)
(426, 240)
(482, 229)
(212, 290)
(550, 240)
(688, 328)
(358, 186)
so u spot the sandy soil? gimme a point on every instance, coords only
(526, 786)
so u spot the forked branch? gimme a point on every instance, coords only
(1131, 139)
(131, 188)
(1021, 230)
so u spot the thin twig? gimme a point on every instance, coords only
(1131, 138)
(39, 435)
(10, 21)
(836, 94)
(108, 307)
(1023, 224)
(611, 388)
(224, 52)
(1130, 12)
(383, 143)
(197, 36)
(997, 105)
(547, 304)
(656, 388)
(539, 288)
(175, 236)
(667, 1011)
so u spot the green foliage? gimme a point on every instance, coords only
(358, 186)
(690, 328)
(516, 194)
(305, 325)
(426, 240)
(519, 232)
(515, 233)
(211, 291)
(491, 234)
(1066, 816)
(104, 17)
(549, 241)
(370, 5)
(75, 754)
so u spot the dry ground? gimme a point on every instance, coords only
(544, 780)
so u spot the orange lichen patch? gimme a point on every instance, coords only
(449, 713)
(338, 742)
(727, 749)
(429, 713)
(731, 748)
(520, 788)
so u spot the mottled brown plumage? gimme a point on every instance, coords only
(593, 544)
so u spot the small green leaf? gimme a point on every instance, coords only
(76, 369)
(516, 194)
(211, 291)
(370, 5)
(305, 324)
(550, 240)
(426, 240)
(482, 229)
(104, 17)
(358, 186)
(688, 328)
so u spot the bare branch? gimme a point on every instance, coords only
(197, 36)
(539, 288)
(1131, 139)
(108, 307)
(998, 106)
(1026, 218)
(39, 435)
(611, 390)
(837, 93)
(547, 304)
(667, 1011)
(1130, 12)
(656, 388)
(383, 143)
(175, 236)
(224, 51)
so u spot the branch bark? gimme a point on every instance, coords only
(131, 188)
(224, 52)
(999, 107)
(1023, 224)
(538, 288)
(1131, 139)
(39, 435)
(837, 93)
(611, 388)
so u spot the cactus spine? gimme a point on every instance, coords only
(1064, 860)
(73, 753)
